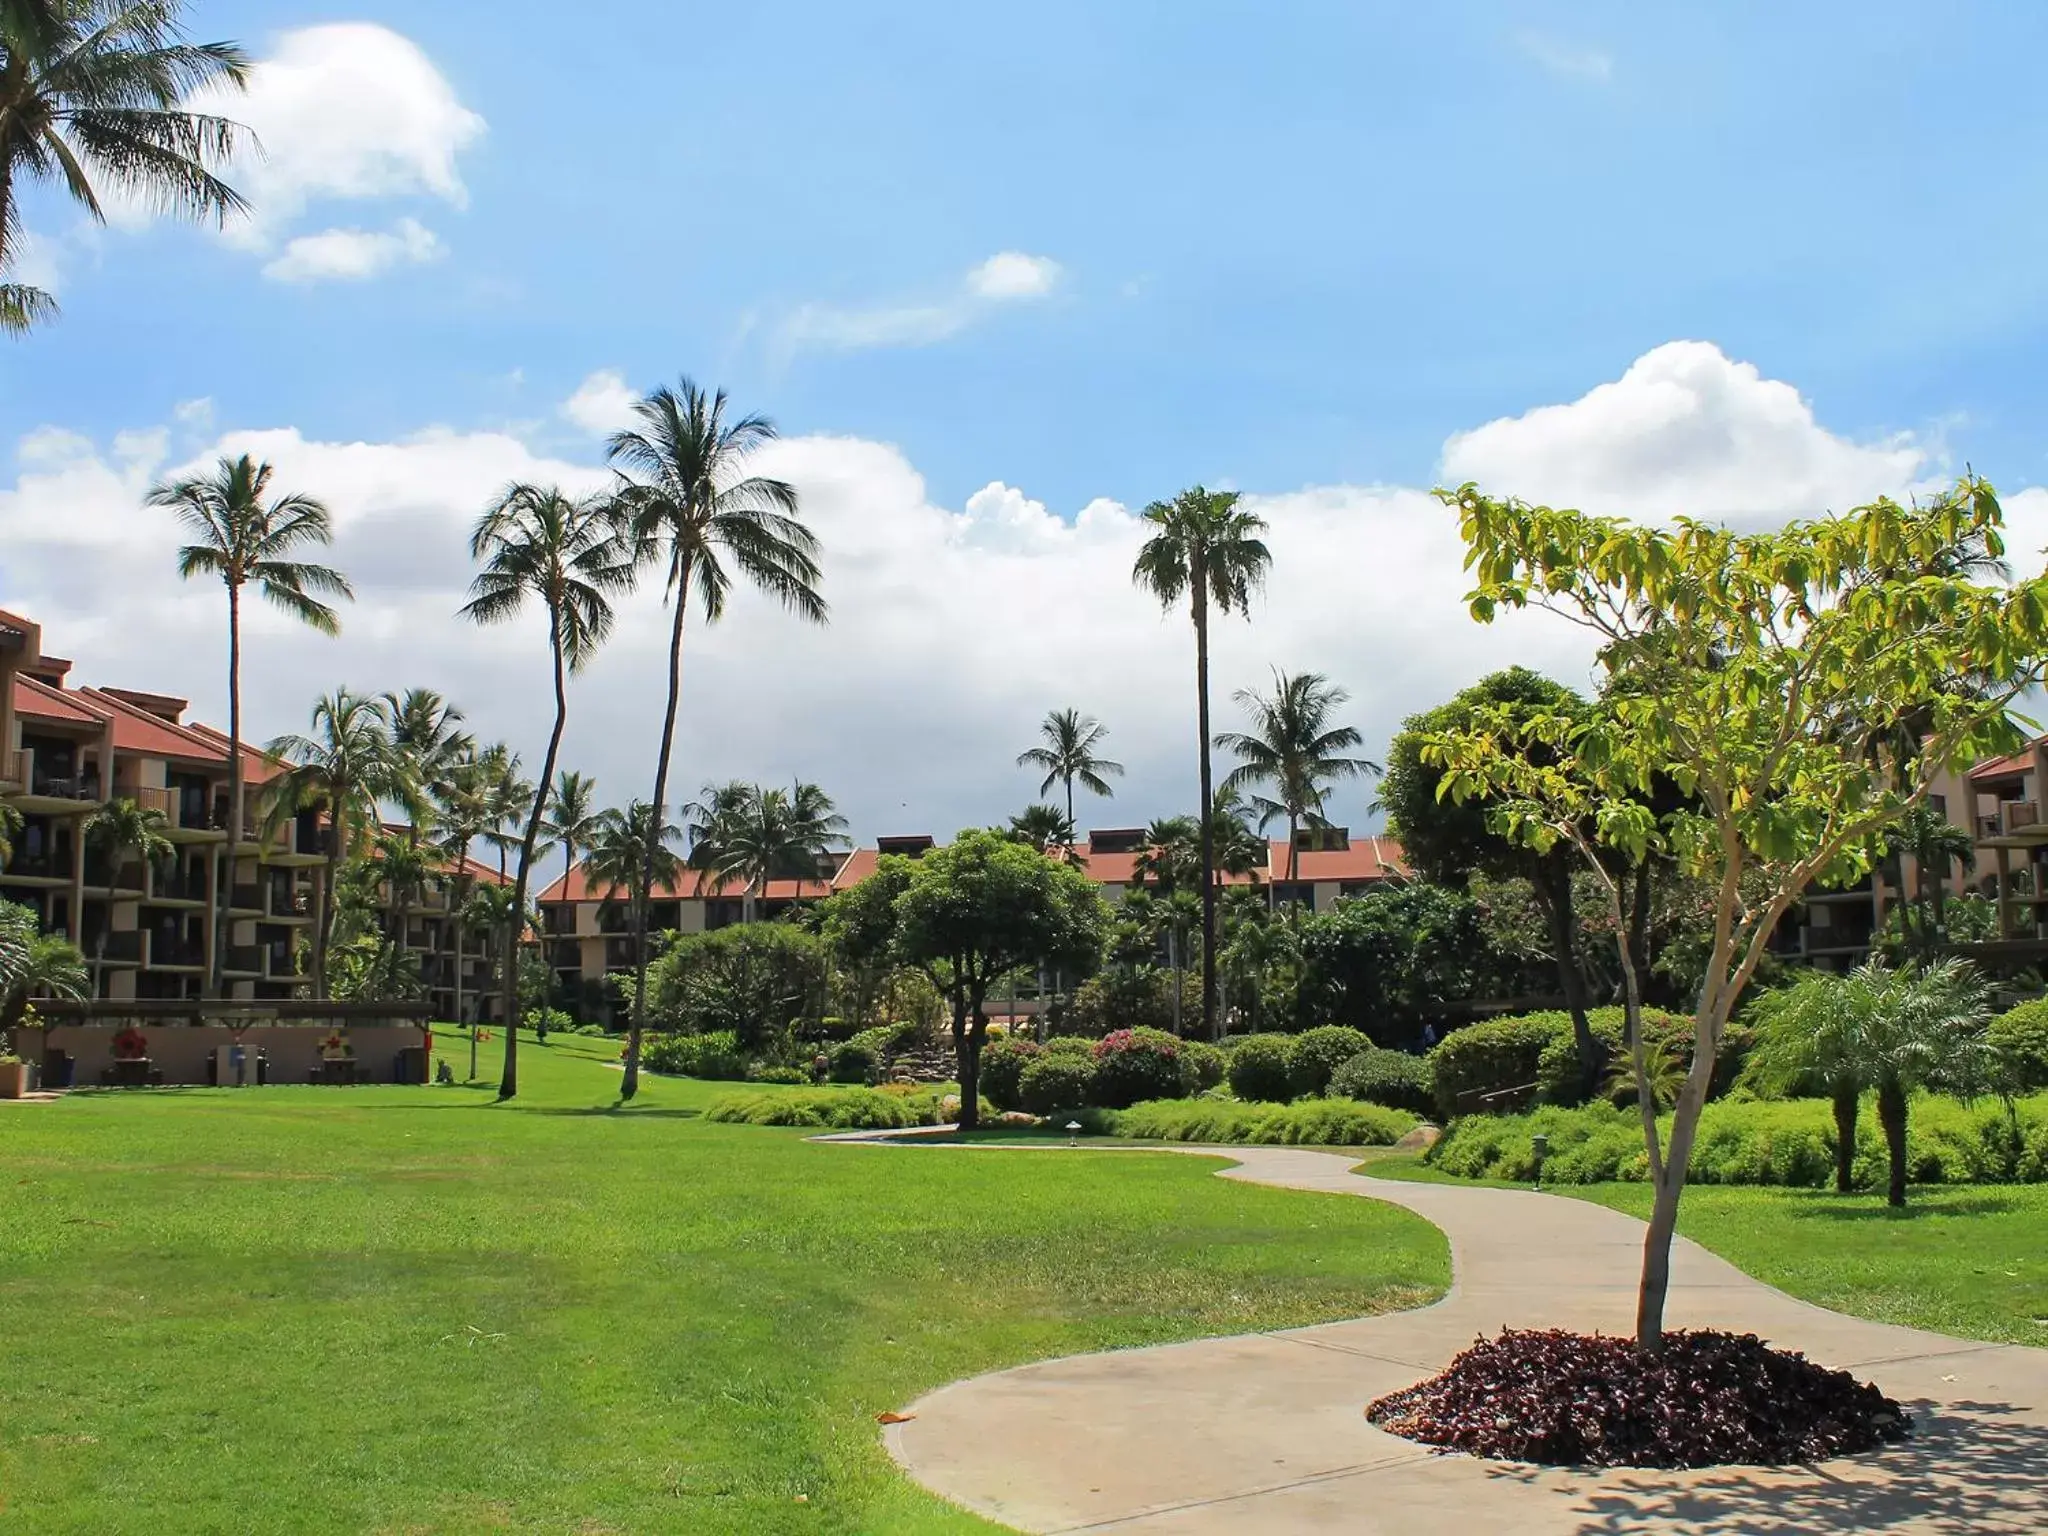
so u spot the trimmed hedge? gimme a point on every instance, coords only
(2020, 1036)
(1002, 1071)
(1056, 1080)
(1313, 1122)
(839, 1109)
(1493, 1056)
(1201, 1066)
(1320, 1052)
(1132, 1065)
(715, 1056)
(1262, 1068)
(1393, 1078)
(1789, 1142)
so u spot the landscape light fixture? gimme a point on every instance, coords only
(1073, 1133)
(1542, 1146)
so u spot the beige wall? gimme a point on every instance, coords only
(180, 1051)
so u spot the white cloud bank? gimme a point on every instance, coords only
(353, 255)
(1006, 278)
(953, 629)
(602, 404)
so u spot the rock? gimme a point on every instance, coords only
(1421, 1139)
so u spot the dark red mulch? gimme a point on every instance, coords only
(1579, 1400)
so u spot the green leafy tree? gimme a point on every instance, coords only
(115, 831)
(244, 535)
(1207, 550)
(1295, 750)
(10, 829)
(1068, 753)
(536, 545)
(34, 964)
(765, 982)
(1757, 672)
(634, 851)
(93, 97)
(967, 915)
(691, 507)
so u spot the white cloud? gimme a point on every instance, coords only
(602, 403)
(352, 255)
(954, 629)
(1566, 59)
(1008, 277)
(34, 261)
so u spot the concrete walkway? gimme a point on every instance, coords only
(1266, 1433)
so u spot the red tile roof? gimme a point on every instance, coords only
(137, 730)
(578, 886)
(39, 701)
(2004, 767)
(1368, 858)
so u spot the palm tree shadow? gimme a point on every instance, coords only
(1970, 1469)
(1940, 1205)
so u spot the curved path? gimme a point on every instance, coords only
(1266, 1434)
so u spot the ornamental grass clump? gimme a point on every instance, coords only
(1704, 1399)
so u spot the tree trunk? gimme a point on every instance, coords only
(1553, 890)
(1070, 800)
(508, 1084)
(324, 918)
(1846, 1105)
(1639, 929)
(631, 1084)
(217, 961)
(1685, 1123)
(1891, 1115)
(1206, 809)
(967, 1040)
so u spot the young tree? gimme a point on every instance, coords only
(1295, 750)
(690, 505)
(245, 536)
(538, 544)
(1755, 671)
(634, 851)
(93, 95)
(1206, 550)
(1068, 753)
(967, 915)
(113, 831)
(462, 811)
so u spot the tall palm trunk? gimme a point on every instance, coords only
(1846, 1104)
(217, 962)
(631, 1084)
(508, 1084)
(1891, 1115)
(1208, 819)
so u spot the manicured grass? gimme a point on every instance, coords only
(1963, 1259)
(412, 1309)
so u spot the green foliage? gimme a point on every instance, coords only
(1314, 1122)
(853, 1061)
(757, 1073)
(1393, 1078)
(838, 1109)
(550, 1021)
(1262, 1068)
(1320, 1052)
(716, 1055)
(1492, 1065)
(1132, 1065)
(1668, 1034)
(2020, 1037)
(1748, 1141)
(1133, 997)
(1055, 1081)
(764, 982)
(1002, 1071)
(1201, 1066)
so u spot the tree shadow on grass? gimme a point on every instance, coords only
(480, 1102)
(1970, 1469)
(1930, 1205)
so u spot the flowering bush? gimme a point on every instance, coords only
(1132, 1065)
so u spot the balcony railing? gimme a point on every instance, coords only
(55, 786)
(288, 901)
(280, 963)
(619, 952)
(245, 959)
(15, 768)
(162, 801)
(171, 950)
(567, 955)
(2015, 814)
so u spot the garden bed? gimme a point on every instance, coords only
(1578, 1400)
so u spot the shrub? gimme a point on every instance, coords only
(1320, 1052)
(852, 1061)
(1057, 1080)
(1002, 1071)
(1314, 1122)
(716, 1056)
(2020, 1036)
(1392, 1078)
(1201, 1067)
(880, 1043)
(1262, 1067)
(845, 1109)
(1132, 998)
(547, 1021)
(1071, 1045)
(1557, 1071)
(762, 981)
(1132, 1065)
(1497, 1056)
(765, 1074)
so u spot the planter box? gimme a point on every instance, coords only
(13, 1079)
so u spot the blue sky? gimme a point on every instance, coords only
(1278, 247)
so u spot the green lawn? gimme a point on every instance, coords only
(413, 1310)
(1961, 1259)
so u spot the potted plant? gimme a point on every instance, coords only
(13, 1075)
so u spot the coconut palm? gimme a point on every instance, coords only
(34, 964)
(572, 815)
(404, 867)
(346, 766)
(1895, 1030)
(708, 824)
(93, 97)
(540, 545)
(511, 797)
(1068, 753)
(426, 735)
(1203, 548)
(634, 851)
(1044, 827)
(772, 835)
(1936, 846)
(692, 507)
(246, 535)
(1294, 750)
(462, 810)
(114, 831)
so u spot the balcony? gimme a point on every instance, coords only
(618, 954)
(99, 874)
(170, 951)
(245, 959)
(38, 866)
(247, 898)
(2015, 814)
(567, 955)
(182, 885)
(280, 963)
(124, 947)
(15, 770)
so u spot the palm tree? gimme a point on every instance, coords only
(634, 851)
(1206, 549)
(246, 536)
(511, 800)
(691, 506)
(462, 810)
(1069, 753)
(540, 544)
(1936, 846)
(572, 815)
(1895, 1030)
(425, 734)
(114, 831)
(1044, 827)
(1294, 749)
(94, 91)
(346, 766)
(10, 829)
(404, 867)
(34, 964)
(772, 835)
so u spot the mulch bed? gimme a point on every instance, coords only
(1578, 1400)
